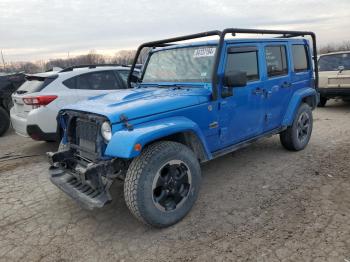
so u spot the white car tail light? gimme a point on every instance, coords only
(37, 101)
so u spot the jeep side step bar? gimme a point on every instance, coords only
(221, 35)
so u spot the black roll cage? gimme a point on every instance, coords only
(221, 35)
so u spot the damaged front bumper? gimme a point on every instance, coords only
(86, 183)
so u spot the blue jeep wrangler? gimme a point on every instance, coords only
(192, 103)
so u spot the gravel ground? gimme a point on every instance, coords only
(261, 203)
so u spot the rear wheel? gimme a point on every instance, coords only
(4, 121)
(162, 184)
(323, 101)
(297, 136)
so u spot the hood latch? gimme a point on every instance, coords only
(124, 119)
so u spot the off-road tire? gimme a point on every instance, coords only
(289, 137)
(323, 102)
(140, 176)
(4, 121)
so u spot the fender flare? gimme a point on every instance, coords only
(295, 102)
(123, 141)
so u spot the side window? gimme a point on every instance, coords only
(123, 75)
(103, 80)
(276, 60)
(300, 59)
(83, 82)
(243, 61)
(70, 83)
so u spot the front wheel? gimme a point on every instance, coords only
(162, 184)
(297, 136)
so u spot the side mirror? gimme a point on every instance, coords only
(235, 79)
(341, 68)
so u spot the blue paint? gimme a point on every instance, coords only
(295, 102)
(147, 132)
(157, 110)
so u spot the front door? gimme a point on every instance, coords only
(241, 115)
(277, 84)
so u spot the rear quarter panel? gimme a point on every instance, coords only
(295, 102)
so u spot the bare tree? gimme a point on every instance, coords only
(123, 57)
(345, 46)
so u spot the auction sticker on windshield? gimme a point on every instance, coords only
(203, 52)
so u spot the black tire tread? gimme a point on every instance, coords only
(286, 136)
(322, 102)
(134, 172)
(5, 120)
(285, 139)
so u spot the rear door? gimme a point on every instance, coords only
(277, 84)
(302, 73)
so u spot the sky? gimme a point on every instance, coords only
(42, 29)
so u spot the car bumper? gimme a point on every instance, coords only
(19, 124)
(23, 126)
(334, 92)
(35, 132)
(87, 184)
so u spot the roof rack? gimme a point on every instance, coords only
(221, 35)
(89, 66)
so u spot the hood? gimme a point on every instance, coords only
(142, 102)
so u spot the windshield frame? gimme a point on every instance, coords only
(210, 44)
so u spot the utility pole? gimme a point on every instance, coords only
(3, 60)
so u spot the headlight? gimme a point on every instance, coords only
(106, 131)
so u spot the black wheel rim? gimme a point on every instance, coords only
(303, 126)
(171, 185)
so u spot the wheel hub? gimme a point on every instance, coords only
(171, 185)
(303, 126)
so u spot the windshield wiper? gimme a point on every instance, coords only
(171, 85)
(163, 85)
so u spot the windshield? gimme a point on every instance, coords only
(332, 62)
(189, 64)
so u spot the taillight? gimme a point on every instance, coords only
(39, 100)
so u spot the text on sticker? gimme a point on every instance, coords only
(203, 52)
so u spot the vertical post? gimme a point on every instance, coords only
(3, 60)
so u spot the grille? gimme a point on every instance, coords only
(86, 135)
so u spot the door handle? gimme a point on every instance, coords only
(286, 85)
(258, 91)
